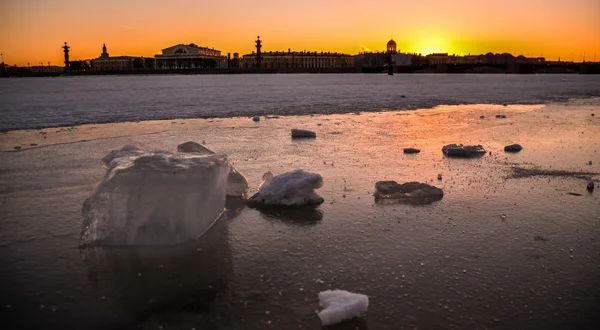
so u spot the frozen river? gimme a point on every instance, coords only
(63, 101)
(497, 252)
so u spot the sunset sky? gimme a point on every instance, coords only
(34, 30)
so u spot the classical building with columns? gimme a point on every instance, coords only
(190, 56)
(300, 60)
(295, 59)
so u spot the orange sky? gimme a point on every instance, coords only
(34, 30)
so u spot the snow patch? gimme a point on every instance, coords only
(288, 189)
(341, 305)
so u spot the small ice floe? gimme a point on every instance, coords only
(237, 184)
(454, 150)
(302, 133)
(155, 198)
(288, 189)
(128, 150)
(513, 148)
(411, 151)
(193, 147)
(341, 305)
(414, 192)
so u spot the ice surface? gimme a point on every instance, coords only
(155, 198)
(341, 305)
(289, 189)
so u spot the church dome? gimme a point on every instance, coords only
(391, 43)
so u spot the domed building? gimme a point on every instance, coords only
(377, 61)
(391, 47)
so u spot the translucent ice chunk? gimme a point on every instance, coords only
(236, 182)
(155, 198)
(288, 189)
(341, 305)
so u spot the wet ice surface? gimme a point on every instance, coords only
(51, 102)
(495, 252)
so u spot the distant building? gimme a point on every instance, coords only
(380, 59)
(44, 68)
(298, 60)
(487, 59)
(113, 63)
(506, 58)
(294, 59)
(190, 56)
(236, 62)
(438, 58)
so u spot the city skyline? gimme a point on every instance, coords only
(35, 30)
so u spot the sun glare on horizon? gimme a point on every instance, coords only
(430, 44)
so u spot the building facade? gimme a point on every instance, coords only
(298, 60)
(112, 63)
(190, 56)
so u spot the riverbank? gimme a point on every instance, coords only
(566, 68)
(498, 244)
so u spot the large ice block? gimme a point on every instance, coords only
(155, 198)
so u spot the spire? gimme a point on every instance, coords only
(104, 52)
